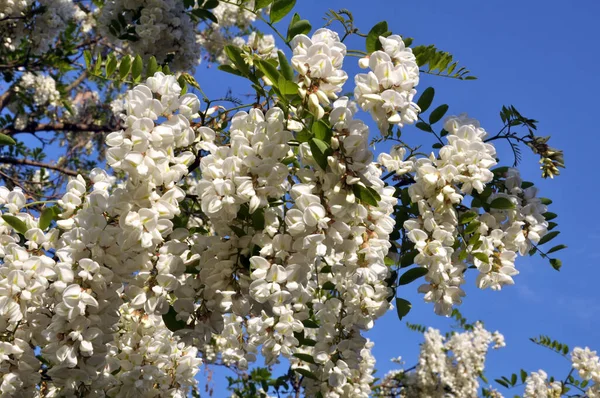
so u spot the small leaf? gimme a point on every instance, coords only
(556, 248)
(402, 307)
(230, 69)
(523, 376)
(111, 65)
(322, 131)
(48, 215)
(137, 67)
(6, 140)
(287, 87)
(482, 257)
(171, 321)
(424, 126)
(204, 15)
(472, 227)
(548, 237)
(408, 258)
(300, 27)
(412, 274)
(438, 113)
(152, 66)
(305, 358)
(87, 56)
(549, 216)
(502, 203)
(269, 70)
(309, 323)
(373, 37)
(284, 66)
(235, 56)
(328, 286)
(556, 263)
(280, 9)
(320, 150)
(125, 67)
(306, 373)
(16, 223)
(262, 4)
(365, 194)
(467, 217)
(426, 98)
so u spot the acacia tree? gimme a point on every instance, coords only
(224, 231)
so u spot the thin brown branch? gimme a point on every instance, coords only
(26, 162)
(77, 81)
(59, 127)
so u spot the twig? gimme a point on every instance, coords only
(26, 162)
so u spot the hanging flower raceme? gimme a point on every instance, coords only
(318, 61)
(387, 91)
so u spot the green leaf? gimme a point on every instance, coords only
(424, 126)
(235, 55)
(320, 150)
(548, 237)
(16, 223)
(408, 258)
(402, 307)
(87, 56)
(556, 248)
(287, 87)
(556, 263)
(171, 321)
(230, 69)
(269, 70)
(98, 65)
(549, 216)
(546, 201)
(111, 65)
(309, 323)
(467, 217)
(373, 37)
(322, 131)
(411, 275)
(438, 113)
(426, 98)
(328, 285)
(284, 66)
(472, 227)
(523, 376)
(502, 203)
(366, 194)
(152, 66)
(125, 67)
(482, 257)
(298, 27)
(204, 15)
(502, 383)
(137, 67)
(306, 373)
(280, 9)
(48, 215)
(262, 4)
(6, 140)
(305, 358)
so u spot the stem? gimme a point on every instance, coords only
(26, 162)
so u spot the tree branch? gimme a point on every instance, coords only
(59, 127)
(26, 162)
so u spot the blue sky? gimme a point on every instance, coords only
(541, 57)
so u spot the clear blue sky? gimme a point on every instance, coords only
(540, 56)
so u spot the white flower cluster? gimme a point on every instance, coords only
(387, 91)
(90, 293)
(448, 366)
(37, 22)
(234, 21)
(491, 240)
(161, 28)
(318, 61)
(262, 46)
(42, 88)
(587, 364)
